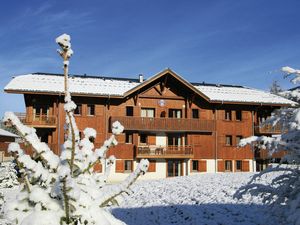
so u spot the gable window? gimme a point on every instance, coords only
(78, 110)
(91, 110)
(195, 113)
(195, 164)
(128, 165)
(238, 115)
(238, 139)
(228, 140)
(129, 110)
(238, 165)
(175, 113)
(128, 138)
(147, 112)
(228, 115)
(228, 165)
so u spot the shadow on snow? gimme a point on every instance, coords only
(210, 214)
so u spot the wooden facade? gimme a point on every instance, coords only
(165, 120)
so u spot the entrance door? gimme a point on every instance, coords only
(174, 168)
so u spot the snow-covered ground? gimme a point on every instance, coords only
(199, 199)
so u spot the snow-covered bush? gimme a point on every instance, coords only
(64, 189)
(284, 191)
(8, 175)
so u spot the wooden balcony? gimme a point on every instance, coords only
(153, 151)
(38, 120)
(165, 124)
(267, 129)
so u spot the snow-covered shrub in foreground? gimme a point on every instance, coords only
(64, 189)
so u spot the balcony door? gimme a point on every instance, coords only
(174, 168)
(175, 113)
(40, 112)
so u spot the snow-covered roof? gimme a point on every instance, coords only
(7, 134)
(51, 83)
(228, 93)
(104, 86)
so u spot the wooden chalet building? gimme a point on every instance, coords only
(181, 127)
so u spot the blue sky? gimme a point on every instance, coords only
(233, 42)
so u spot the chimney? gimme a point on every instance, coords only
(141, 78)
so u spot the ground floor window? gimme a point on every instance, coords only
(195, 165)
(228, 165)
(128, 165)
(238, 165)
(174, 168)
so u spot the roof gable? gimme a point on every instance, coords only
(162, 79)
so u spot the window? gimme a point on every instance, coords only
(195, 113)
(128, 166)
(228, 140)
(129, 110)
(91, 110)
(78, 109)
(228, 165)
(174, 140)
(128, 138)
(143, 138)
(175, 113)
(238, 165)
(238, 139)
(238, 115)
(147, 112)
(228, 115)
(195, 164)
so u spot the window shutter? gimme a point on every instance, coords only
(152, 166)
(202, 166)
(245, 166)
(191, 166)
(221, 166)
(119, 166)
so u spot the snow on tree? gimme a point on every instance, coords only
(64, 189)
(284, 191)
(8, 175)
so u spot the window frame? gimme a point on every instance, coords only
(125, 166)
(240, 137)
(128, 137)
(230, 165)
(147, 110)
(90, 108)
(195, 116)
(228, 137)
(240, 117)
(236, 165)
(144, 136)
(196, 165)
(78, 108)
(129, 110)
(228, 115)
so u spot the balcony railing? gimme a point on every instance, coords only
(38, 120)
(153, 151)
(165, 124)
(267, 129)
